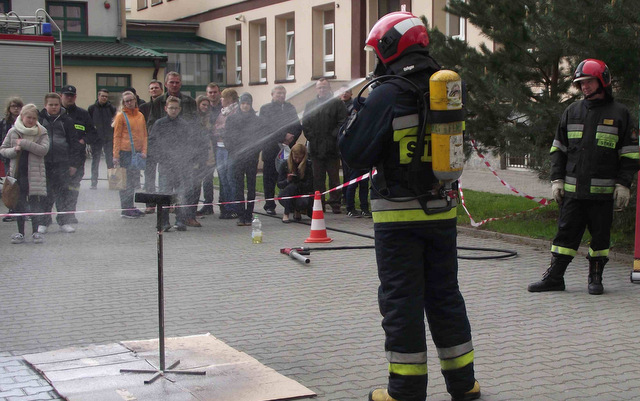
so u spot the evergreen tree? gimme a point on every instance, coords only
(518, 89)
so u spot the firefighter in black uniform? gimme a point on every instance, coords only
(87, 135)
(415, 235)
(594, 157)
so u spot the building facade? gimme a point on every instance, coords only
(293, 43)
(251, 45)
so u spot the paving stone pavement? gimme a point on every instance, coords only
(318, 323)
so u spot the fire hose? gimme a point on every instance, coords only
(300, 253)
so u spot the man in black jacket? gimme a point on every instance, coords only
(65, 156)
(322, 118)
(102, 113)
(280, 123)
(86, 136)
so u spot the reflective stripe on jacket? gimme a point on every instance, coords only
(386, 211)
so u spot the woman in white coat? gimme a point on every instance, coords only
(25, 145)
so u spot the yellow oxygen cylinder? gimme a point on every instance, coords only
(447, 124)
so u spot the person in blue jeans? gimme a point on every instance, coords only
(230, 106)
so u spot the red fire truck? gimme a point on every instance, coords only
(27, 61)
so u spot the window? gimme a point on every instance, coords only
(290, 49)
(323, 41)
(60, 81)
(387, 6)
(329, 65)
(142, 4)
(285, 46)
(220, 66)
(114, 83)
(5, 6)
(156, 2)
(70, 17)
(195, 68)
(233, 60)
(262, 52)
(455, 26)
(238, 56)
(257, 52)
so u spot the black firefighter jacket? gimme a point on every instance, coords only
(83, 124)
(594, 149)
(383, 134)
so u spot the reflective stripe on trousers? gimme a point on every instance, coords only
(576, 215)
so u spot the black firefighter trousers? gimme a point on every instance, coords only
(418, 271)
(575, 216)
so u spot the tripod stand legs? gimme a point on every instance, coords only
(160, 373)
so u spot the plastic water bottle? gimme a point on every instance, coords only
(256, 230)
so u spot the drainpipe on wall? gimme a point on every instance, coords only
(156, 68)
(119, 12)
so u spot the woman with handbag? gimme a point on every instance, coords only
(14, 105)
(129, 150)
(25, 145)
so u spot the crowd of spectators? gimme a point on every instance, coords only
(182, 141)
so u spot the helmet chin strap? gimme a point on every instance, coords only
(589, 96)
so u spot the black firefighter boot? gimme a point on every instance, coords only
(596, 266)
(553, 278)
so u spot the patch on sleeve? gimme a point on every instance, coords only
(607, 121)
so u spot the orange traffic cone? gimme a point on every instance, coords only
(318, 229)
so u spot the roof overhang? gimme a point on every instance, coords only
(162, 26)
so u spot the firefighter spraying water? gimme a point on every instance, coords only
(395, 131)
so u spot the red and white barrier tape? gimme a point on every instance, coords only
(346, 184)
(542, 201)
(478, 224)
(358, 179)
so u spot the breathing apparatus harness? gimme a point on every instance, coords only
(414, 174)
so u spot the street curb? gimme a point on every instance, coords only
(537, 243)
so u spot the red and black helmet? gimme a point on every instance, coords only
(592, 68)
(394, 33)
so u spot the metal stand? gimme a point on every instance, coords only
(160, 200)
